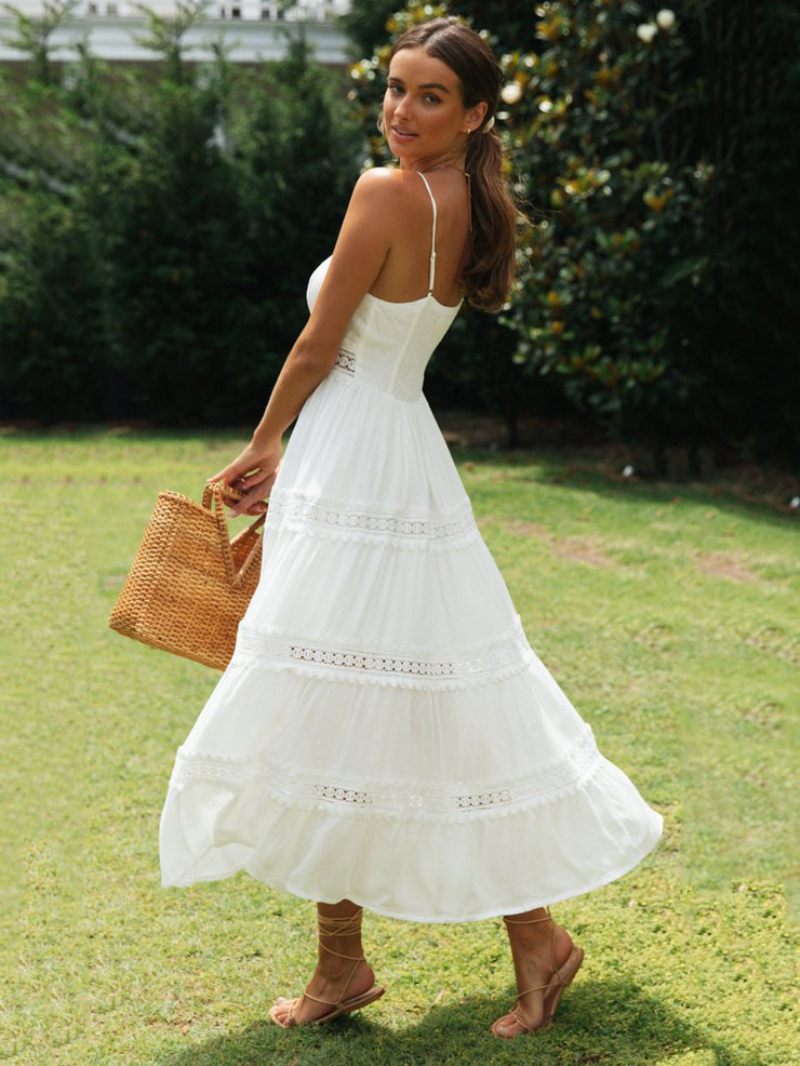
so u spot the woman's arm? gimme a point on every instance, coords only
(360, 251)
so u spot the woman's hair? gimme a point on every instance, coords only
(491, 262)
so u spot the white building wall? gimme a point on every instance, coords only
(258, 10)
(251, 27)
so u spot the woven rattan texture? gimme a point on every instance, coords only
(189, 584)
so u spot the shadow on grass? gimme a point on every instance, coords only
(570, 466)
(560, 468)
(610, 1023)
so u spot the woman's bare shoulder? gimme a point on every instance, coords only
(384, 188)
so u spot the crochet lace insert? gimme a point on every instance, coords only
(346, 360)
(411, 799)
(439, 532)
(336, 659)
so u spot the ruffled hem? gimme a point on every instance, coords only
(494, 911)
(429, 870)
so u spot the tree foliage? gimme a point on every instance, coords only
(156, 229)
(158, 225)
(632, 273)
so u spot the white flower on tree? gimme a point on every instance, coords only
(511, 92)
(665, 18)
(646, 31)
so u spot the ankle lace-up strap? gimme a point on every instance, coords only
(529, 921)
(348, 926)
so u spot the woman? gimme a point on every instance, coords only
(385, 736)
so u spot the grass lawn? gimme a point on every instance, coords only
(667, 613)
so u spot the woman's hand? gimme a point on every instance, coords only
(252, 472)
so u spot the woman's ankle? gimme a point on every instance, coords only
(528, 926)
(535, 916)
(338, 970)
(329, 962)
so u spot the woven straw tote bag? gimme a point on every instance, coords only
(189, 584)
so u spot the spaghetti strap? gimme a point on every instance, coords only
(433, 236)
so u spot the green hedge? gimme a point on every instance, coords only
(654, 149)
(156, 234)
(158, 225)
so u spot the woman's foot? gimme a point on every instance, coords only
(343, 979)
(540, 949)
(327, 985)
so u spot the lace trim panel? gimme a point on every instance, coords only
(407, 800)
(333, 659)
(441, 532)
(346, 361)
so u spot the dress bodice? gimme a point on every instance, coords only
(387, 345)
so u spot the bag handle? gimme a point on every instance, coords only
(216, 489)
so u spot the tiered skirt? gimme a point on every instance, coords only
(385, 732)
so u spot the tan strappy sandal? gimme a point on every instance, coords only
(333, 927)
(559, 980)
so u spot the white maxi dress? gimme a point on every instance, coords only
(384, 731)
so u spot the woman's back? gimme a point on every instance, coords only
(404, 274)
(388, 343)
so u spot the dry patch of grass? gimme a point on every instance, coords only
(724, 564)
(582, 550)
(775, 641)
(657, 636)
(585, 549)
